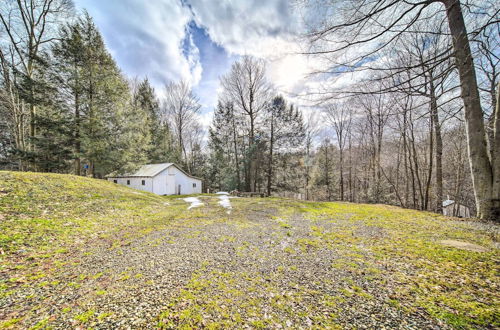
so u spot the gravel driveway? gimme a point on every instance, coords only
(264, 265)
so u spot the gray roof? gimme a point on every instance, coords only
(448, 202)
(151, 170)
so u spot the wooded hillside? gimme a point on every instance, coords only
(416, 125)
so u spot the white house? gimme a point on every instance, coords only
(161, 179)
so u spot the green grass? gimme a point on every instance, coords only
(48, 220)
(39, 210)
(445, 281)
(85, 317)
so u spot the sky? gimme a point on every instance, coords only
(198, 40)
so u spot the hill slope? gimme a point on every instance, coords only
(40, 210)
(84, 252)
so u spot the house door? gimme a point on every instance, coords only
(178, 189)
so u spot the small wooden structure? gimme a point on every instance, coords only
(453, 208)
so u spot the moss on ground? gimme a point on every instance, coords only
(381, 254)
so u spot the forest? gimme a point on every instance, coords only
(420, 126)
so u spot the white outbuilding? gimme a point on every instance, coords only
(453, 208)
(161, 179)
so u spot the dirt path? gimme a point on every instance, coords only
(253, 268)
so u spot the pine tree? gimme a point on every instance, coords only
(105, 124)
(324, 168)
(285, 133)
(224, 154)
(68, 66)
(51, 151)
(161, 146)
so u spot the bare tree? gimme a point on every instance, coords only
(311, 130)
(432, 83)
(487, 55)
(376, 108)
(27, 26)
(340, 118)
(14, 107)
(180, 109)
(376, 25)
(246, 86)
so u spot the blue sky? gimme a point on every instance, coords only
(198, 40)
(215, 61)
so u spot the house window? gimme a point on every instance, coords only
(128, 182)
(143, 182)
(194, 185)
(115, 181)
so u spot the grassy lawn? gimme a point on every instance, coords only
(89, 253)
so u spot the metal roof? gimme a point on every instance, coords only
(151, 170)
(448, 202)
(148, 170)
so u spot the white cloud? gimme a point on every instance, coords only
(246, 27)
(146, 38)
(205, 119)
(153, 38)
(265, 29)
(192, 54)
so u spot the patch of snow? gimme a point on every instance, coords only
(222, 193)
(225, 203)
(195, 202)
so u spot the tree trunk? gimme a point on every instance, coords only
(251, 162)
(458, 177)
(327, 174)
(431, 157)
(91, 119)
(341, 160)
(77, 126)
(416, 168)
(351, 197)
(270, 163)
(405, 163)
(482, 172)
(32, 107)
(77, 138)
(379, 165)
(495, 160)
(236, 161)
(439, 148)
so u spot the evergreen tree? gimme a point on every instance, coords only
(325, 168)
(94, 92)
(223, 158)
(68, 67)
(104, 99)
(161, 146)
(51, 151)
(285, 133)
